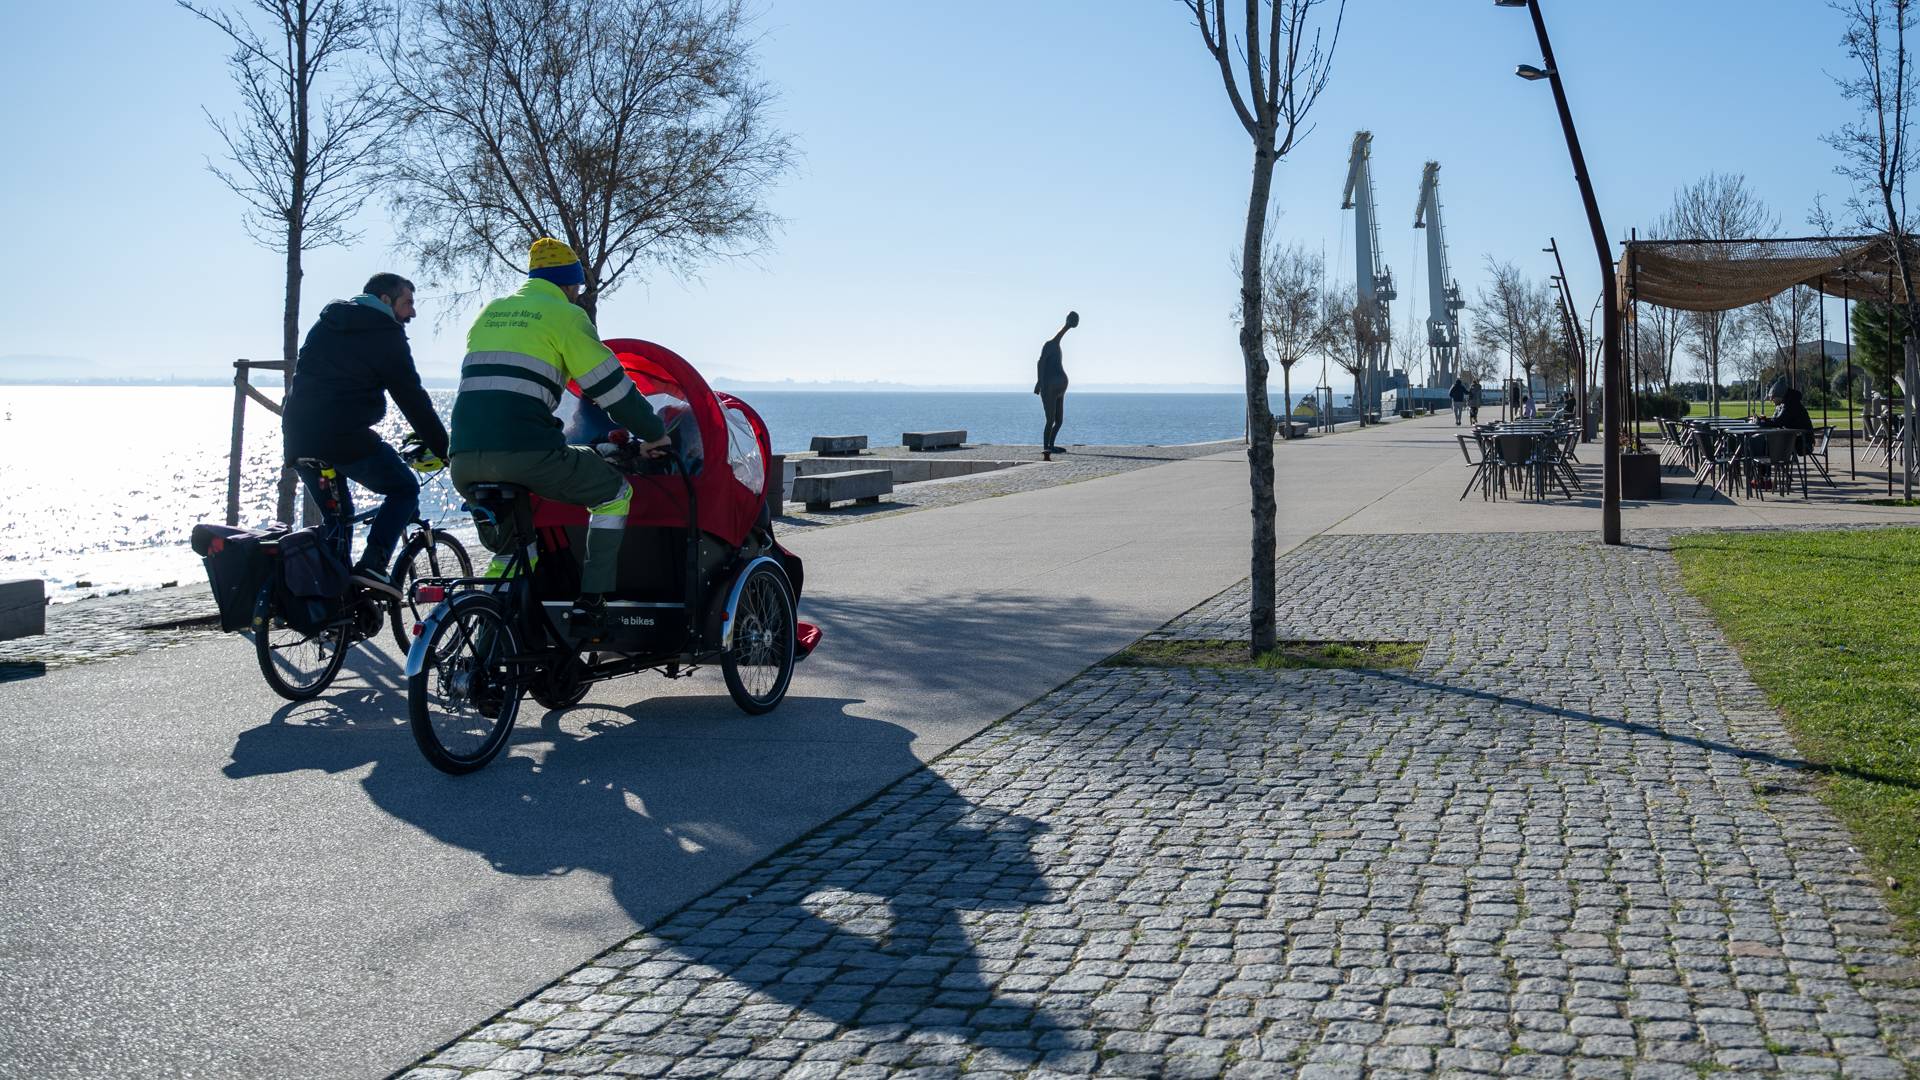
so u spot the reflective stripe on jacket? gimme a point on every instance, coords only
(521, 352)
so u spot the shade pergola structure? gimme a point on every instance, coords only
(1720, 275)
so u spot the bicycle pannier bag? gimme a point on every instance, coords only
(237, 567)
(313, 579)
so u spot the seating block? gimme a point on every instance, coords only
(838, 445)
(23, 608)
(821, 490)
(932, 440)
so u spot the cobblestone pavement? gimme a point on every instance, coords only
(1573, 841)
(112, 626)
(1078, 463)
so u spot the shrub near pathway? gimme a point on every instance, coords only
(1572, 840)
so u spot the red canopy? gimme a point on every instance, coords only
(728, 505)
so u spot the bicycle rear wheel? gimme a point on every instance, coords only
(463, 706)
(297, 665)
(444, 557)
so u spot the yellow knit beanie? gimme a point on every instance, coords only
(554, 261)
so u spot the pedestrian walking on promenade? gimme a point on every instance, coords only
(1458, 395)
(1052, 385)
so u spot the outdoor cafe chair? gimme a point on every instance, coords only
(1771, 455)
(1563, 460)
(1720, 459)
(1523, 458)
(1823, 440)
(1482, 466)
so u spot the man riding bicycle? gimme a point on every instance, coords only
(354, 357)
(521, 353)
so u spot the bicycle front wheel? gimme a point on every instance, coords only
(443, 557)
(297, 665)
(462, 707)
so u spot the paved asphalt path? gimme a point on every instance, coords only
(198, 879)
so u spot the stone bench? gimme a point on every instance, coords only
(838, 445)
(932, 440)
(23, 608)
(821, 490)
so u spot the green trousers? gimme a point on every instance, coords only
(571, 474)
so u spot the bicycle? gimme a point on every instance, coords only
(298, 664)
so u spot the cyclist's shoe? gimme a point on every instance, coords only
(374, 579)
(588, 617)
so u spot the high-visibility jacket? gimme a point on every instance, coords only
(521, 352)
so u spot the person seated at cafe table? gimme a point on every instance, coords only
(1788, 412)
(1788, 408)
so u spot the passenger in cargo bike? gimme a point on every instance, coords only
(521, 353)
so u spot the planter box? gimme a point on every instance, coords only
(1640, 476)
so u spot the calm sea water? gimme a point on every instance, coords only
(102, 484)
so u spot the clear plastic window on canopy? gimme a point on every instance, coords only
(743, 452)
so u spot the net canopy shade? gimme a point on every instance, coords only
(1719, 275)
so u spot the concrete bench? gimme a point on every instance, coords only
(821, 490)
(23, 608)
(1291, 429)
(932, 440)
(838, 445)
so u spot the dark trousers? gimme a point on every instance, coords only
(1054, 400)
(384, 474)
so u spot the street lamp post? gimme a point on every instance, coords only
(1611, 377)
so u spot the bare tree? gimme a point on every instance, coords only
(1877, 155)
(1274, 72)
(1787, 319)
(308, 136)
(1348, 338)
(1517, 317)
(1718, 206)
(1662, 330)
(636, 131)
(1293, 312)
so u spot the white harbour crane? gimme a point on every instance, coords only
(1443, 293)
(1372, 279)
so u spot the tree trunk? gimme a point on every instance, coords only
(1286, 396)
(1259, 409)
(296, 233)
(290, 350)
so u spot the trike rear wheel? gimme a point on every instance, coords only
(758, 664)
(462, 706)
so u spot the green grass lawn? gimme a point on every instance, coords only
(1825, 623)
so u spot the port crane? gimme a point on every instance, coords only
(1443, 293)
(1373, 281)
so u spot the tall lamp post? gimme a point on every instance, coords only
(1611, 376)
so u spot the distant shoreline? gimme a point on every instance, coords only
(727, 385)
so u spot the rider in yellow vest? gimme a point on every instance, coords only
(521, 353)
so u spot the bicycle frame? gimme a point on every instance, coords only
(528, 617)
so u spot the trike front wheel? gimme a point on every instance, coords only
(758, 663)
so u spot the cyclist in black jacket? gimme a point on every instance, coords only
(354, 357)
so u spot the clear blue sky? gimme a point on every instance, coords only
(970, 172)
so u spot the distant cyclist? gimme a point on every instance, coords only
(355, 356)
(522, 352)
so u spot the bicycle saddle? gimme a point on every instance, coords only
(495, 492)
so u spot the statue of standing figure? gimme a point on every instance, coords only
(1052, 385)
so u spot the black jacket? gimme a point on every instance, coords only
(1790, 414)
(352, 359)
